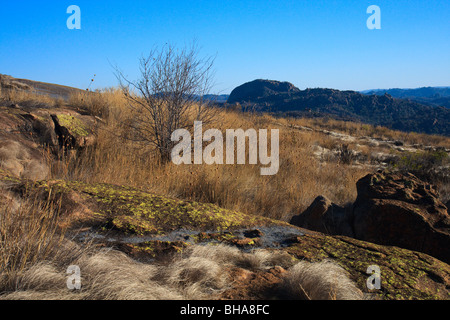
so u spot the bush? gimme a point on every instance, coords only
(92, 102)
(426, 165)
(345, 154)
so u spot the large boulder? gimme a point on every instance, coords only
(74, 131)
(401, 210)
(326, 217)
(31, 136)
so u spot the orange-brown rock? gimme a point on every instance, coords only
(401, 210)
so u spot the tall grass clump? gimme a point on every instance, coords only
(319, 281)
(29, 235)
(97, 103)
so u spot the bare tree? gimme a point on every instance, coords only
(169, 95)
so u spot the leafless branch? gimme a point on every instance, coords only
(168, 94)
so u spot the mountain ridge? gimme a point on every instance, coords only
(384, 110)
(432, 96)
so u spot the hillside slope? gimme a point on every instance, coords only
(43, 88)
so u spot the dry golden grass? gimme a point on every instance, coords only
(200, 273)
(29, 98)
(319, 281)
(99, 103)
(300, 180)
(29, 234)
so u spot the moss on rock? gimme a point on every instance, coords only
(137, 212)
(74, 125)
(405, 274)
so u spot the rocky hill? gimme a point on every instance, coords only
(284, 99)
(262, 90)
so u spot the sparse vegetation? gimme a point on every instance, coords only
(345, 154)
(423, 164)
(359, 129)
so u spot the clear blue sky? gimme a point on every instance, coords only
(320, 43)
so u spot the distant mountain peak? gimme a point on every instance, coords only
(261, 88)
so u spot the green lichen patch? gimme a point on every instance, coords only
(225, 237)
(137, 212)
(153, 249)
(74, 125)
(405, 274)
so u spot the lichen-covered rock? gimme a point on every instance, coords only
(134, 211)
(404, 274)
(73, 130)
(127, 212)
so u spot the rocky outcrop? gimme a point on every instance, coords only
(326, 217)
(401, 210)
(29, 138)
(390, 209)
